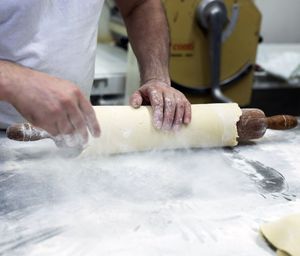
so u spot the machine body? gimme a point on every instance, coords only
(213, 48)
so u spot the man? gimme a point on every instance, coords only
(47, 55)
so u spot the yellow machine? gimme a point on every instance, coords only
(213, 48)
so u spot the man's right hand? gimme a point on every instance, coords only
(53, 104)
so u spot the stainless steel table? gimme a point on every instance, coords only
(195, 202)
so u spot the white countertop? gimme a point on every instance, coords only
(197, 202)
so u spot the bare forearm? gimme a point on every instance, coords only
(149, 36)
(51, 103)
(6, 75)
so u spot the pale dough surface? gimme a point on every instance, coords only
(284, 234)
(124, 129)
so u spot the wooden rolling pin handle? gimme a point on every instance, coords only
(253, 124)
(26, 132)
(281, 122)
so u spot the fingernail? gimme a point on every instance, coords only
(94, 132)
(187, 120)
(135, 104)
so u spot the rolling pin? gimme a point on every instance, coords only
(252, 125)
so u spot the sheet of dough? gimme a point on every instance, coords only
(284, 234)
(124, 129)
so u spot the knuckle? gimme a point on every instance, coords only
(153, 92)
(66, 101)
(154, 95)
(149, 89)
(55, 110)
(79, 124)
(180, 104)
(179, 94)
(76, 92)
(169, 117)
(158, 104)
(169, 103)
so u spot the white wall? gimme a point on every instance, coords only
(281, 20)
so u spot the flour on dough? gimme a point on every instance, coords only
(284, 234)
(124, 129)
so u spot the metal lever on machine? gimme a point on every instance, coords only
(212, 16)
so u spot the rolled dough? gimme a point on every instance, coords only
(284, 234)
(124, 129)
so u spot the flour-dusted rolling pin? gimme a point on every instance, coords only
(28, 132)
(252, 125)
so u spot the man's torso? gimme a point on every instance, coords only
(57, 37)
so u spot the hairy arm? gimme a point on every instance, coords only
(53, 104)
(149, 36)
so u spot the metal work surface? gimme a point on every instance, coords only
(197, 202)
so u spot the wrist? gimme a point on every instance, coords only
(11, 76)
(163, 81)
(4, 81)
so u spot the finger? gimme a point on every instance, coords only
(179, 114)
(76, 118)
(70, 137)
(58, 139)
(90, 117)
(64, 125)
(47, 124)
(187, 113)
(157, 103)
(52, 128)
(136, 99)
(169, 111)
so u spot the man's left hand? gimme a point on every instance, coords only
(171, 109)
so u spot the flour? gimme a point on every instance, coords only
(185, 202)
(29, 132)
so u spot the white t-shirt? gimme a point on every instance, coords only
(57, 37)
